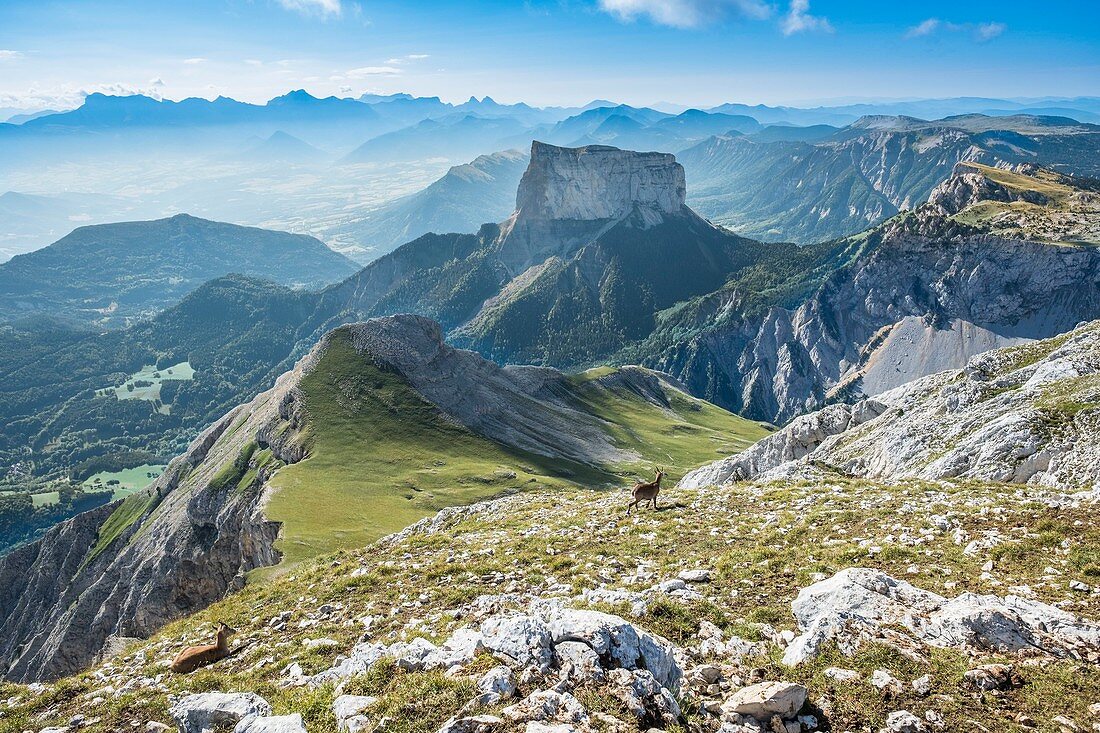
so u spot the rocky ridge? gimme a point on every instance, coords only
(920, 294)
(1024, 414)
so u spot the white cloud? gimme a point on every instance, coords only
(924, 28)
(324, 8)
(685, 13)
(981, 31)
(988, 31)
(194, 61)
(7, 55)
(157, 82)
(254, 62)
(798, 19)
(397, 61)
(365, 71)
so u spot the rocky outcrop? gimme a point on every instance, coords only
(967, 186)
(797, 440)
(569, 196)
(1025, 414)
(598, 182)
(859, 604)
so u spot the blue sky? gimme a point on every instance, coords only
(691, 52)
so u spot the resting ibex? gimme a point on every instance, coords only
(646, 491)
(194, 657)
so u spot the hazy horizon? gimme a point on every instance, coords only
(692, 53)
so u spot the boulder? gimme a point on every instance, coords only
(578, 661)
(524, 640)
(203, 711)
(617, 642)
(763, 700)
(271, 724)
(348, 711)
(645, 697)
(361, 658)
(498, 682)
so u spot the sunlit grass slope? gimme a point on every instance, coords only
(382, 457)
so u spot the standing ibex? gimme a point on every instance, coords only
(646, 491)
(194, 657)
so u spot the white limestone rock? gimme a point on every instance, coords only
(765, 699)
(203, 711)
(857, 603)
(522, 640)
(271, 724)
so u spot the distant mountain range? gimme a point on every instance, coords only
(320, 166)
(110, 274)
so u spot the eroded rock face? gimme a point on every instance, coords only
(1012, 419)
(598, 182)
(192, 540)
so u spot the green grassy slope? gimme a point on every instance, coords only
(382, 457)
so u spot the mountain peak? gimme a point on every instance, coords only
(598, 182)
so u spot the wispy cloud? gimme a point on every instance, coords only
(364, 71)
(685, 13)
(323, 8)
(987, 31)
(799, 20)
(406, 59)
(980, 31)
(194, 61)
(7, 55)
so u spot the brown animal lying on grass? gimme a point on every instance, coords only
(194, 657)
(646, 491)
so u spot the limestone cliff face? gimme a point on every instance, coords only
(598, 182)
(569, 196)
(1025, 414)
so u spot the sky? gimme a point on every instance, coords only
(549, 52)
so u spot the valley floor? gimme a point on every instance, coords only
(761, 544)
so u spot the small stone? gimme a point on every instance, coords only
(885, 682)
(700, 575)
(765, 699)
(1066, 724)
(1077, 585)
(902, 721)
(154, 727)
(923, 685)
(1023, 719)
(840, 674)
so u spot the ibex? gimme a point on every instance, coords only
(646, 491)
(194, 657)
